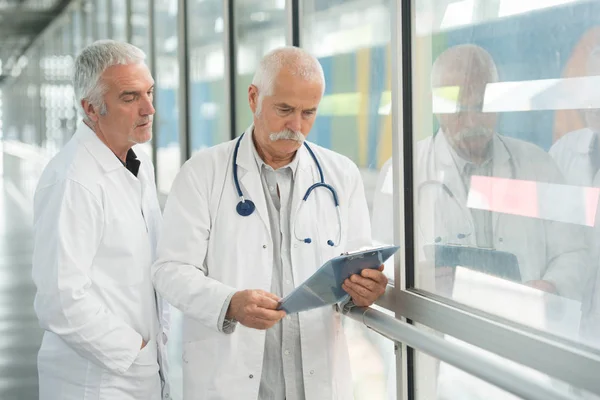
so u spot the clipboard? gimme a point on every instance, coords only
(492, 262)
(324, 287)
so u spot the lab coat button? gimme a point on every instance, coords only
(312, 371)
(251, 376)
(264, 246)
(501, 240)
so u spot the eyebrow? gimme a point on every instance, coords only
(133, 92)
(285, 105)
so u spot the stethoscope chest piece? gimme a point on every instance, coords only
(245, 208)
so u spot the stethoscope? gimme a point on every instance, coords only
(464, 210)
(246, 207)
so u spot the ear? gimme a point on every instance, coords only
(253, 98)
(90, 110)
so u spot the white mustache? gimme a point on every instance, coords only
(474, 133)
(287, 134)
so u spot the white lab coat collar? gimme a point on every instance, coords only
(100, 151)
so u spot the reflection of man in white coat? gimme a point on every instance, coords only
(551, 255)
(96, 218)
(577, 154)
(226, 271)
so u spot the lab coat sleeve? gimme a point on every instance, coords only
(68, 225)
(180, 273)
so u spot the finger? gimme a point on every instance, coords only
(375, 275)
(266, 314)
(360, 290)
(356, 297)
(381, 267)
(264, 301)
(271, 295)
(368, 284)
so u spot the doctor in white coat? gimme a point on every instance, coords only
(551, 255)
(225, 263)
(578, 156)
(96, 221)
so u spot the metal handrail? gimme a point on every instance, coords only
(460, 357)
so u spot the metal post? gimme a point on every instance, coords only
(229, 39)
(184, 98)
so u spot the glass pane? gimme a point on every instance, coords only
(352, 42)
(102, 18)
(506, 157)
(140, 19)
(260, 27)
(119, 20)
(76, 31)
(88, 15)
(167, 85)
(208, 120)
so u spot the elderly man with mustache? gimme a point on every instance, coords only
(551, 255)
(236, 240)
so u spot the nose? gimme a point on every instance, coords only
(295, 123)
(147, 106)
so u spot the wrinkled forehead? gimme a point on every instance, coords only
(466, 87)
(130, 76)
(290, 85)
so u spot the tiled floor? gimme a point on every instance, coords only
(20, 334)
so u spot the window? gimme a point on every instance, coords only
(260, 27)
(166, 90)
(207, 91)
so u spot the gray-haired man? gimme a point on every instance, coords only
(96, 218)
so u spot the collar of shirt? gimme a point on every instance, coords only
(131, 162)
(293, 165)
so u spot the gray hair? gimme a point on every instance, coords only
(298, 61)
(91, 64)
(472, 62)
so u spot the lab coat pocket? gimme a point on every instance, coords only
(141, 381)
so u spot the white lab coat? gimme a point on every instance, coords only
(572, 153)
(207, 251)
(545, 249)
(95, 232)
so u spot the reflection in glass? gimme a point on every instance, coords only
(497, 226)
(166, 89)
(208, 108)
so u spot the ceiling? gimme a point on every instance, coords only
(20, 22)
